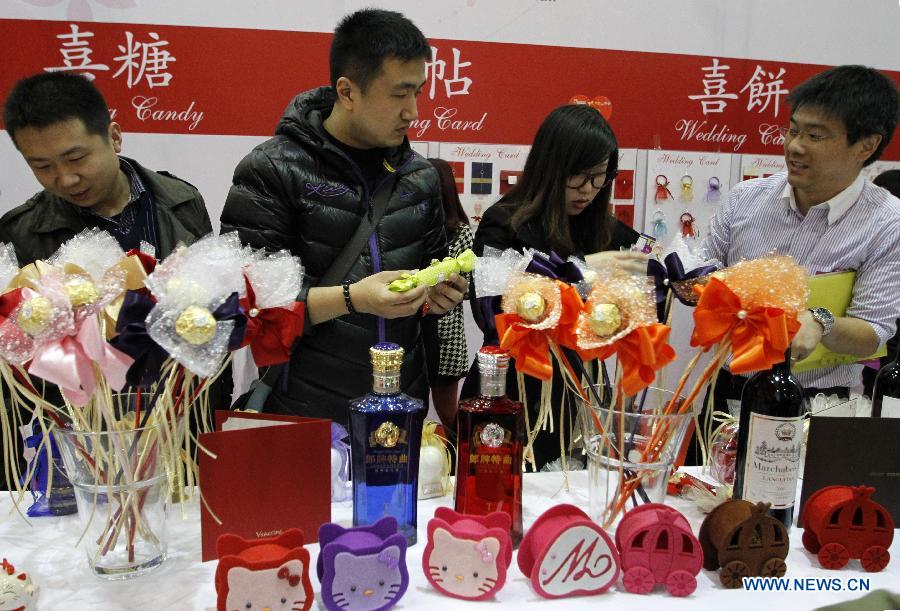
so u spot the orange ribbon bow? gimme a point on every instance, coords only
(759, 336)
(530, 347)
(643, 352)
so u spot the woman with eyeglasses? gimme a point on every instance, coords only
(561, 201)
(560, 204)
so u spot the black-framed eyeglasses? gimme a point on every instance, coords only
(598, 181)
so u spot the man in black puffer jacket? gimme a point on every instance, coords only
(306, 190)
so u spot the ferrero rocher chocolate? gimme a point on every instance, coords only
(606, 318)
(531, 306)
(196, 325)
(35, 314)
(80, 291)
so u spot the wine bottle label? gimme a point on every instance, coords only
(773, 460)
(890, 407)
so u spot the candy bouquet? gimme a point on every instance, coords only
(133, 346)
(554, 310)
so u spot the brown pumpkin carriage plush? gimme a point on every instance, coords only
(843, 522)
(743, 540)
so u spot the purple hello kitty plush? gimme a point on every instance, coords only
(362, 568)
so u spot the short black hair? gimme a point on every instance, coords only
(863, 99)
(51, 97)
(364, 39)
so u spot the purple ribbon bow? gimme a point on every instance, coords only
(231, 310)
(554, 267)
(671, 271)
(133, 340)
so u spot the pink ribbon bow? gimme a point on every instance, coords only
(486, 556)
(68, 362)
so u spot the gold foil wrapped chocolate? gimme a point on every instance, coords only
(35, 315)
(605, 319)
(531, 306)
(618, 304)
(80, 291)
(196, 325)
(535, 299)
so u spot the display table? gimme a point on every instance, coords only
(46, 549)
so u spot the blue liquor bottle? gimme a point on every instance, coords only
(385, 436)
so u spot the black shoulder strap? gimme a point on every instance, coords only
(350, 253)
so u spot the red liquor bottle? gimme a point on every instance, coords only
(491, 434)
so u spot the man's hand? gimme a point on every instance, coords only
(444, 296)
(630, 261)
(371, 296)
(807, 338)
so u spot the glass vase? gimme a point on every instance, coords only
(631, 449)
(121, 490)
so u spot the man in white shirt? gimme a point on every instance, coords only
(825, 214)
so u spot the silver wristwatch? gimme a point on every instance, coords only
(824, 317)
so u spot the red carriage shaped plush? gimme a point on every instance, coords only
(656, 545)
(843, 522)
(742, 540)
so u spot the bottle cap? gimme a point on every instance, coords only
(492, 358)
(386, 357)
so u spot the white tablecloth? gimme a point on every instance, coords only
(46, 549)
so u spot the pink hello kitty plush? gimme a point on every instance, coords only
(466, 555)
(271, 573)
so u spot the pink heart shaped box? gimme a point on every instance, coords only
(565, 553)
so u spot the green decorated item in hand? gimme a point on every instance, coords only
(437, 272)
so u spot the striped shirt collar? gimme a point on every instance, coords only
(837, 206)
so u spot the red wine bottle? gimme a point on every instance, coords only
(770, 438)
(886, 393)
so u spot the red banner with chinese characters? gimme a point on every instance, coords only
(178, 79)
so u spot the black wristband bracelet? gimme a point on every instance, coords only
(347, 301)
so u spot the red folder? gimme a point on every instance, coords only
(265, 480)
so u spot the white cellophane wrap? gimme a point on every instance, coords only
(9, 265)
(18, 346)
(203, 360)
(90, 256)
(204, 274)
(276, 279)
(691, 258)
(110, 285)
(496, 268)
(93, 250)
